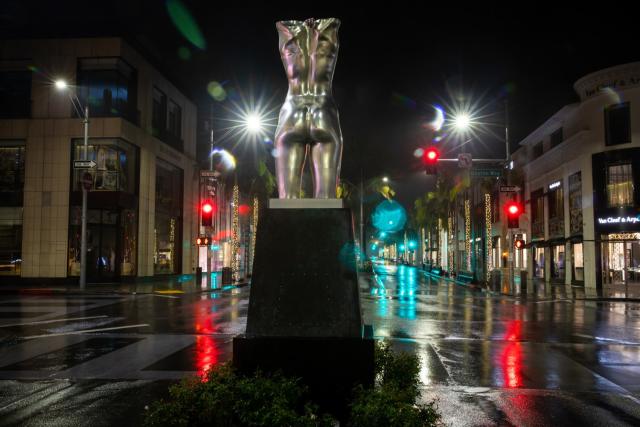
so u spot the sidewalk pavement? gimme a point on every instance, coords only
(184, 284)
(539, 290)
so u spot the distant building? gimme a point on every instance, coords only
(142, 205)
(581, 170)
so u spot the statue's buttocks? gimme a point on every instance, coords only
(309, 117)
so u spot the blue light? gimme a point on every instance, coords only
(389, 216)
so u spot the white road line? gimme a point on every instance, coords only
(85, 331)
(166, 296)
(42, 322)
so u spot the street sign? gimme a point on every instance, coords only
(209, 173)
(84, 164)
(509, 188)
(87, 181)
(465, 161)
(486, 172)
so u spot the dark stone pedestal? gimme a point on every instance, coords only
(330, 367)
(304, 308)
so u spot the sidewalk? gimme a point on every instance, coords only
(184, 284)
(540, 290)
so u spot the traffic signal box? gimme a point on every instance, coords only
(513, 211)
(430, 160)
(203, 240)
(206, 213)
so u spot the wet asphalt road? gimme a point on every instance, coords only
(98, 359)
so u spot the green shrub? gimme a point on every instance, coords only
(393, 401)
(382, 407)
(227, 399)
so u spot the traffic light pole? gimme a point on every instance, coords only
(83, 229)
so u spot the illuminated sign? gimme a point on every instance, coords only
(555, 185)
(624, 236)
(619, 220)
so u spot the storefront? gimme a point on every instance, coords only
(112, 215)
(617, 216)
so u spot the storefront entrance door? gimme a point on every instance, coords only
(621, 262)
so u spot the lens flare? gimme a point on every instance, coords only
(216, 91)
(418, 153)
(389, 216)
(438, 121)
(223, 161)
(185, 23)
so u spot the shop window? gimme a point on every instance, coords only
(617, 124)
(557, 262)
(115, 165)
(15, 94)
(556, 138)
(111, 242)
(578, 262)
(11, 173)
(108, 86)
(538, 263)
(619, 185)
(168, 219)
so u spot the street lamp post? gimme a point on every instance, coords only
(77, 105)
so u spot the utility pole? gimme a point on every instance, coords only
(83, 230)
(510, 249)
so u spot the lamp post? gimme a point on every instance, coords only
(77, 105)
(463, 123)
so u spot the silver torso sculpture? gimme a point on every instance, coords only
(308, 121)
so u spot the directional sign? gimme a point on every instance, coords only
(465, 160)
(509, 188)
(486, 172)
(84, 164)
(209, 173)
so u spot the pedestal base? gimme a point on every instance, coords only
(330, 367)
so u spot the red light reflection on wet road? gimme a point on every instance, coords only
(511, 357)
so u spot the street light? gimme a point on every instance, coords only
(62, 85)
(385, 179)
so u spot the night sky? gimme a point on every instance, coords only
(394, 63)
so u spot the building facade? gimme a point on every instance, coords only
(142, 203)
(581, 169)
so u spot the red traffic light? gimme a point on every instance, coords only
(513, 209)
(207, 207)
(431, 155)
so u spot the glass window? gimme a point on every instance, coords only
(538, 150)
(556, 138)
(168, 219)
(11, 173)
(175, 119)
(619, 185)
(556, 203)
(115, 165)
(538, 263)
(15, 94)
(578, 262)
(537, 213)
(108, 87)
(159, 113)
(575, 203)
(617, 124)
(557, 262)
